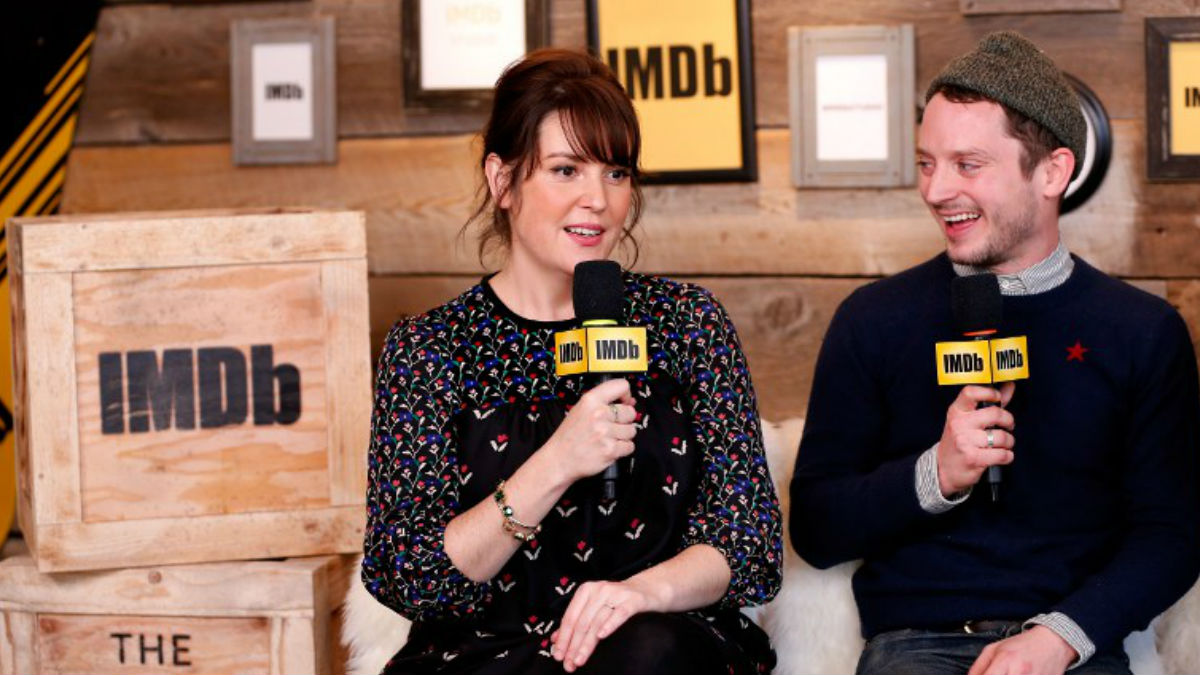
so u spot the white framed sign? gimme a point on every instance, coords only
(455, 50)
(284, 91)
(851, 107)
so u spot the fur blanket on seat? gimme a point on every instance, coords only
(813, 622)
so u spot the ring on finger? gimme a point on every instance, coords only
(991, 438)
(613, 408)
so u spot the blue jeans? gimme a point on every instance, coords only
(924, 652)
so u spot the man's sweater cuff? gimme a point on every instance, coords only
(929, 491)
(1069, 631)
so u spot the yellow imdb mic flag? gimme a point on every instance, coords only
(601, 349)
(983, 361)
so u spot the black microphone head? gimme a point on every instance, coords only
(976, 303)
(598, 291)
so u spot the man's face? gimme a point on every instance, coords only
(971, 179)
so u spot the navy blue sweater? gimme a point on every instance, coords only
(1099, 516)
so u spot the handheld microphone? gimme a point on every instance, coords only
(601, 348)
(978, 308)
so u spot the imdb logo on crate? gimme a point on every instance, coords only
(205, 401)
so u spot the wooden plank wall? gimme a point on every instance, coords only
(154, 135)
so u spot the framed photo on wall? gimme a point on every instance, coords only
(454, 50)
(851, 110)
(284, 91)
(1173, 98)
(688, 68)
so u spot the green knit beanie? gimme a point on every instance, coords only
(1012, 71)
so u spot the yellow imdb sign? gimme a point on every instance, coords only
(686, 65)
(1184, 66)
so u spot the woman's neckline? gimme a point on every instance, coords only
(486, 285)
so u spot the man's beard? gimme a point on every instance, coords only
(1004, 238)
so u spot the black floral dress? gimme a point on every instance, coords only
(467, 392)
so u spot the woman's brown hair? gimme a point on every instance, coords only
(597, 116)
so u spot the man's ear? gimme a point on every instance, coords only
(1059, 166)
(499, 178)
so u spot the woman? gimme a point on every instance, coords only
(486, 522)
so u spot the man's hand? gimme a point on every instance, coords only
(1037, 651)
(963, 454)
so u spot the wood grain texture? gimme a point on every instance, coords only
(51, 425)
(164, 240)
(417, 192)
(203, 287)
(258, 617)
(68, 644)
(348, 405)
(1037, 6)
(160, 73)
(251, 588)
(186, 470)
(67, 547)
(16, 629)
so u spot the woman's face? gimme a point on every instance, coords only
(570, 209)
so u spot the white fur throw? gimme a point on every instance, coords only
(813, 622)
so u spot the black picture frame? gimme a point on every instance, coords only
(1099, 148)
(747, 169)
(419, 97)
(1161, 163)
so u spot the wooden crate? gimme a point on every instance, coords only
(190, 387)
(237, 617)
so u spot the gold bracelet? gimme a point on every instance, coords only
(519, 530)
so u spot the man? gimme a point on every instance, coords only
(1095, 529)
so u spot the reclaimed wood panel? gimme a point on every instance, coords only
(160, 73)
(1105, 50)
(416, 192)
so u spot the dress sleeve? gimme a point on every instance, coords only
(736, 509)
(413, 484)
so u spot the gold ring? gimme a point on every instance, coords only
(613, 408)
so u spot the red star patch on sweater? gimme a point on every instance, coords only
(1076, 352)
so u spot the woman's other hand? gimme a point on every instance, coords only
(597, 610)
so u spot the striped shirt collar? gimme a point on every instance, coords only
(1040, 277)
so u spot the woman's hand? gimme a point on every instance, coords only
(598, 609)
(598, 431)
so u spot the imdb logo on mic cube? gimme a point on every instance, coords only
(190, 387)
(277, 616)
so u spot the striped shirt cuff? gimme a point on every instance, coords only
(1069, 631)
(929, 491)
